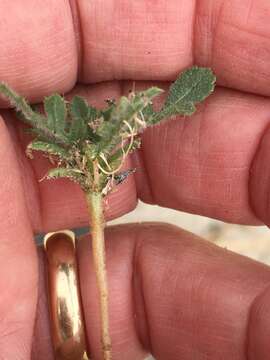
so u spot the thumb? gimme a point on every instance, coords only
(18, 272)
(177, 296)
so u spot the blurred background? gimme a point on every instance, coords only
(252, 241)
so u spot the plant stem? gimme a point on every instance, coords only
(97, 223)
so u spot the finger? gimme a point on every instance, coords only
(180, 296)
(156, 41)
(38, 47)
(260, 179)
(18, 276)
(48, 45)
(233, 38)
(42, 348)
(201, 164)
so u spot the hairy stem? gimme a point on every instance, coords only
(95, 205)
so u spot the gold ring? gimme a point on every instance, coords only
(66, 316)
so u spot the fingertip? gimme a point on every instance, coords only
(194, 297)
(38, 52)
(259, 327)
(174, 294)
(259, 183)
(18, 277)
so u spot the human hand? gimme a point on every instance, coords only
(200, 165)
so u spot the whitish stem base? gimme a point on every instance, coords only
(95, 205)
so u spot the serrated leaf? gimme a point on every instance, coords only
(93, 113)
(72, 174)
(79, 108)
(62, 172)
(152, 92)
(79, 113)
(49, 148)
(192, 86)
(30, 117)
(56, 111)
(20, 104)
(22, 107)
(141, 101)
(82, 114)
(109, 135)
(148, 112)
(124, 109)
(107, 112)
(110, 131)
(91, 151)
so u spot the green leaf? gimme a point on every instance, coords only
(152, 92)
(147, 113)
(49, 148)
(139, 102)
(79, 108)
(79, 113)
(22, 107)
(63, 172)
(18, 102)
(192, 86)
(109, 133)
(72, 174)
(107, 112)
(127, 108)
(56, 111)
(91, 151)
(82, 115)
(142, 103)
(30, 117)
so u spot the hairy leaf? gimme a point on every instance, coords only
(49, 148)
(79, 108)
(193, 86)
(123, 113)
(19, 103)
(109, 133)
(56, 111)
(79, 113)
(72, 174)
(108, 111)
(30, 117)
(82, 115)
(152, 92)
(94, 144)
(129, 107)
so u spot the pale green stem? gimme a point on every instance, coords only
(97, 223)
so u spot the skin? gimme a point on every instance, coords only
(192, 300)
